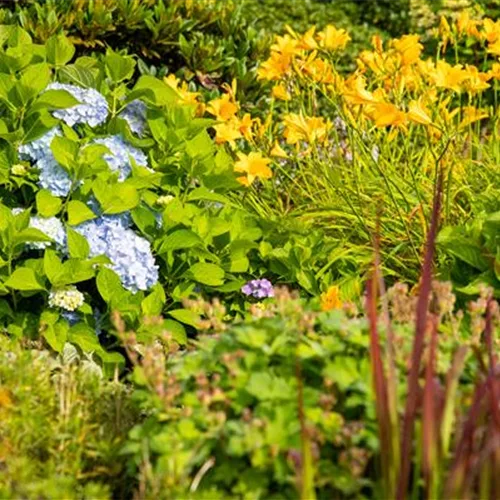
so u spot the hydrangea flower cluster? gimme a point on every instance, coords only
(52, 176)
(260, 289)
(121, 153)
(135, 115)
(68, 298)
(92, 110)
(50, 226)
(130, 254)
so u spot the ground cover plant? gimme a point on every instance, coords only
(246, 257)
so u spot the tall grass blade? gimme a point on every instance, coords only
(418, 344)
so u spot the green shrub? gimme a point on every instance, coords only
(62, 426)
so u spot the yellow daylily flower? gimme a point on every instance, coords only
(332, 38)
(254, 166)
(417, 113)
(280, 92)
(223, 108)
(331, 299)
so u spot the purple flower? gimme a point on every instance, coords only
(259, 289)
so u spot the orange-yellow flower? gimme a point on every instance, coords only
(476, 80)
(331, 299)
(491, 30)
(227, 132)
(285, 45)
(245, 126)
(182, 90)
(494, 72)
(278, 151)
(417, 113)
(254, 166)
(356, 92)
(409, 48)
(448, 77)
(223, 108)
(386, 114)
(280, 92)
(305, 128)
(470, 114)
(308, 42)
(494, 48)
(276, 67)
(333, 39)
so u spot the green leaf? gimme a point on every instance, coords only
(78, 75)
(153, 304)
(84, 337)
(78, 212)
(54, 99)
(59, 50)
(33, 80)
(185, 316)
(182, 238)
(37, 124)
(78, 245)
(177, 330)
(53, 267)
(24, 279)
(108, 284)
(120, 198)
(162, 93)
(55, 334)
(207, 274)
(30, 235)
(65, 151)
(118, 67)
(47, 204)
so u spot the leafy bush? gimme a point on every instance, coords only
(62, 426)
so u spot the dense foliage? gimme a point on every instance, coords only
(201, 206)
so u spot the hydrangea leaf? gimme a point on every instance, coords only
(24, 279)
(108, 283)
(78, 212)
(118, 67)
(59, 50)
(78, 246)
(207, 274)
(153, 304)
(47, 205)
(53, 267)
(185, 316)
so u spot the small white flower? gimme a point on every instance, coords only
(68, 298)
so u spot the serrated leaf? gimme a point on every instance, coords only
(207, 274)
(24, 279)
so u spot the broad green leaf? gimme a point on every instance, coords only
(180, 239)
(47, 204)
(108, 283)
(53, 267)
(153, 304)
(59, 49)
(185, 316)
(24, 279)
(118, 67)
(78, 245)
(177, 330)
(65, 151)
(207, 274)
(78, 212)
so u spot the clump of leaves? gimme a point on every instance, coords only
(61, 425)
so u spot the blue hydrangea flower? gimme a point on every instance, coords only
(50, 226)
(130, 254)
(72, 317)
(92, 110)
(53, 177)
(40, 148)
(135, 115)
(121, 153)
(259, 289)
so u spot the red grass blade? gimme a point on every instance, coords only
(418, 345)
(380, 387)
